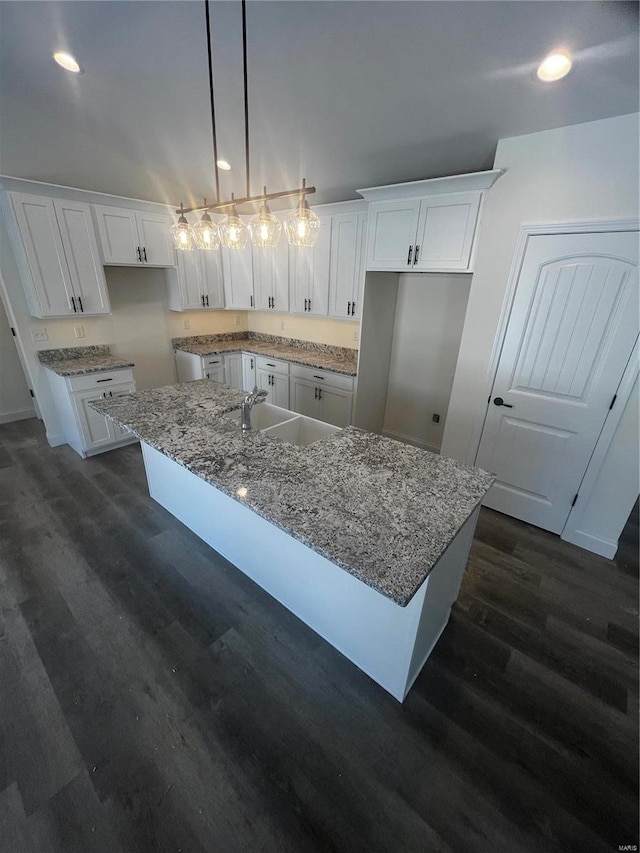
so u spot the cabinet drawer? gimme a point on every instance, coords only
(102, 380)
(272, 365)
(212, 361)
(326, 377)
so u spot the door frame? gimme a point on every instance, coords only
(17, 339)
(528, 230)
(572, 531)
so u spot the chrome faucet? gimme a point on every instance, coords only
(256, 396)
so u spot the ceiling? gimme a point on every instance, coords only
(348, 94)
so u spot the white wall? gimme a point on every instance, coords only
(578, 173)
(428, 325)
(339, 333)
(15, 400)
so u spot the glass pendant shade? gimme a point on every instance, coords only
(183, 236)
(302, 226)
(206, 233)
(265, 228)
(233, 232)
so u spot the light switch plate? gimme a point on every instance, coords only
(78, 331)
(39, 335)
(237, 321)
(186, 324)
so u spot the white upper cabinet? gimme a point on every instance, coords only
(348, 241)
(196, 284)
(309, 273)
(271, 277)
(392, 233)
(131, 238)
(426, 226)
(57, 255)
(237, 266)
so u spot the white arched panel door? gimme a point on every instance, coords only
(570, 334)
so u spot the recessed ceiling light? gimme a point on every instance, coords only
(222, 164)
(555, 66)
(67, 61)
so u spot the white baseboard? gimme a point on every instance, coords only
(20, 415)
(411, 439)
(603, 547)
(55, 439)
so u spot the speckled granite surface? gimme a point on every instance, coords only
(75, 361)
(383, 511)
(321, 356)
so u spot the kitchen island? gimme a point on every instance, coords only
(363, 538)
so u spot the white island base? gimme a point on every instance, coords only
(388, 642)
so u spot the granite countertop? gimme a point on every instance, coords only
(76, 361)
(320, 356)
(383, 511)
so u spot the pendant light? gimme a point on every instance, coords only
(183, 236)
(265, 228)
(233, 231)
(206, 232)
(302, 226)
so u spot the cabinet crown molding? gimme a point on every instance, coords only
(433, 186)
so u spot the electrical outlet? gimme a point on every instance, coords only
(39, 335)
(355, 336)
(435, 418)
(186, 324)
(282, 325)
(78, 331)
(237, 321)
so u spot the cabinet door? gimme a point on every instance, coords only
(216, 373)
(237, 265)
(345, 264)
(391, 233)
(264, 277)
(120, 391)
(358, 290)
(320, 269)
(248, 372)
(156, 242)
(211, 275)
(190, 284)
(300, 261)
(233, 369)
(83, 257)
(304, 397)
(263, 381)
(118, 233)
(279, 390)
(446, 229)
(49, 280)
(335, 406)
(95, 428)
(281, 284)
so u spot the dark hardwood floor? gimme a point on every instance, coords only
(152, 698)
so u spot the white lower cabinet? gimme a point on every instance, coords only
(85, 430)
(233, 370)
(248, 371)
(213, 368)
(321, 394)
(272, 375)
(190, 366)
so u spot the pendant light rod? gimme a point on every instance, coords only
(211, 98)
(246, 96)
(301, 191)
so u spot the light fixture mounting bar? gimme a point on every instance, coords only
(301, 191)
(212, 101)
(246, 96)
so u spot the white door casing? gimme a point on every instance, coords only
(570, 333)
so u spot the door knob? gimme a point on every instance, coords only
(498, 401)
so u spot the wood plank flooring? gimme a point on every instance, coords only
(152, 698)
